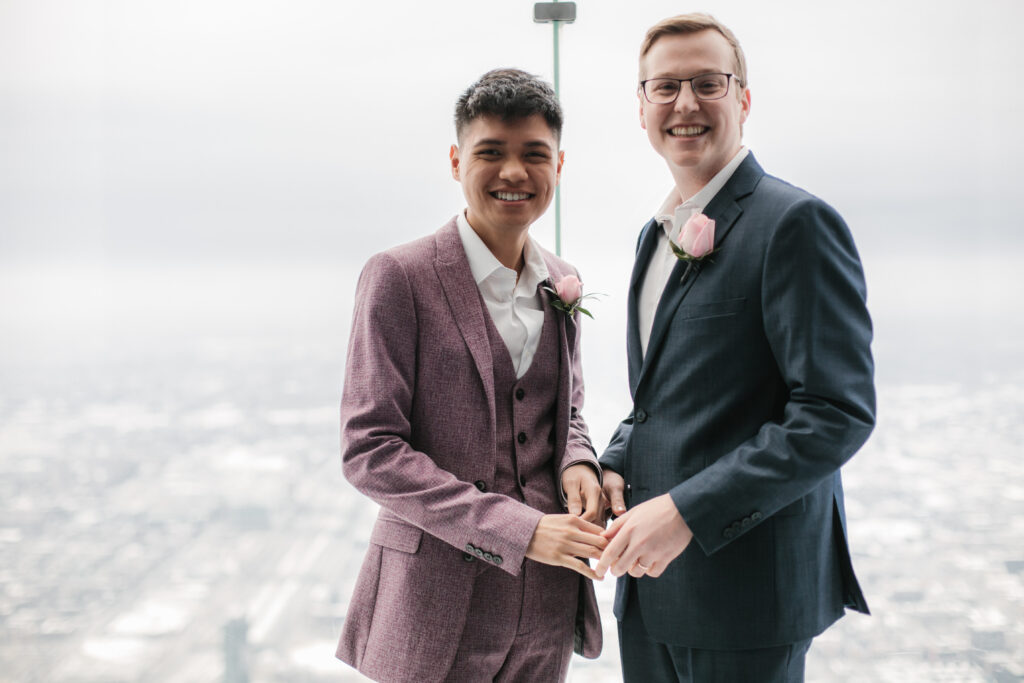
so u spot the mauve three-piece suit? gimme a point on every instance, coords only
(464, 458)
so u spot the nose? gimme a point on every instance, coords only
(513, 170)
(686, 100)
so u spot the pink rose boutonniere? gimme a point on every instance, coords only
(696, 241)
(569, 295)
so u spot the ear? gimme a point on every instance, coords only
(744, 105)
(558, 169)
(643, 123)
(453, 157)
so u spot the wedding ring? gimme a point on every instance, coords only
(642, 566)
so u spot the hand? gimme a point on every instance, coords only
(583, 492)
(614, 493)
(645, 539)
(561, 540)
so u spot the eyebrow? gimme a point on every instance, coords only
(492, 142)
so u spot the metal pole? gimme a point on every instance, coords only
(558, 188)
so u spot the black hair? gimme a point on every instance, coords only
(510, 94)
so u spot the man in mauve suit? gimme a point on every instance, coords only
(751, 376)
(461, 416)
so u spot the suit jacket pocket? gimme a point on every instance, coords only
(797, 507)
(711, 309)
(396, 535)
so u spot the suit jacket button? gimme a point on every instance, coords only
(480, 484)
(729, 533)
(521, 438)
(641, 415)
(478, 552)
(746, 522)
(489, 557)
(497, 560)
(520, 394)
(756, 517)
(470, 548)
(468, 558)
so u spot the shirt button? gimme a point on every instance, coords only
(522, 437)
(520, 394)
(641, 415)
(468, 558)
(480, 484)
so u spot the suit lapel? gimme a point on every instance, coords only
(566, 340)
(645, 246)
(725, 210)
(460, 290)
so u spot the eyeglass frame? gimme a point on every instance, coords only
(728, 80)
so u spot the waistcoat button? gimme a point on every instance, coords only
(522, 437)
(520, 394)
(480, 484)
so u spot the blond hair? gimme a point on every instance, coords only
(694, 23)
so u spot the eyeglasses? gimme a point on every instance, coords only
(705, 87)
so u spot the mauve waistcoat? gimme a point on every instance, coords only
(525, 412)
(525, 419)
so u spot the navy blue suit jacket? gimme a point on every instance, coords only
(756, 387)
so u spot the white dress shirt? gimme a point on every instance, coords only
(516, 308)
(672, 215)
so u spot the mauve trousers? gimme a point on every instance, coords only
(519, 628)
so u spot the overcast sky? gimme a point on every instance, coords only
(192, 137)
(234, 130)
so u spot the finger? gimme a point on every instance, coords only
(592, 540)
(592, 495)
(615, 526)
(611, 554)
(655, 570)
(580, 550)
(583, 568)
(587, 527)
(584, 550)
(618, 502)
(626, 559)
(573, 499)
(636, 571)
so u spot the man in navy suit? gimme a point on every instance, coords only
(752, 381)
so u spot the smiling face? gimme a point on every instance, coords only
(508, 170)
(697, 138)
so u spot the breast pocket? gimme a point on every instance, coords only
(711, 309)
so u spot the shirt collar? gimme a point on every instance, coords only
(483, 264)
(675, 211)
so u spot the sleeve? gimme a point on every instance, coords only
(377, 457)
(578, 448)
(818, 329)
(614, 456)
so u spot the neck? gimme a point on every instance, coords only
(507, 247)
(688, 182)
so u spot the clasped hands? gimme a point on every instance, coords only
(643, 540)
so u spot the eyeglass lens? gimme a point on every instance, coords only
(705, 87)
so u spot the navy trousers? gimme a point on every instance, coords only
(645, 660)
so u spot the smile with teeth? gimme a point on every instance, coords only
(511, 196)
(688, 131)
